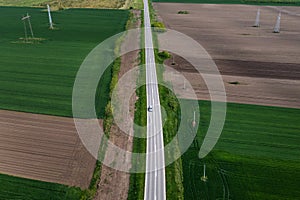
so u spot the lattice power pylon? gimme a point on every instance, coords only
(25, 19)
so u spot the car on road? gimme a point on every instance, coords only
(150, 109)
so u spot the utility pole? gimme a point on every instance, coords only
(50, 18)
(25, 30)
(173, 59)
(257, 21)
(204, 177)
(194, 121)
(184, 84)
(30, 25)
(277, 25)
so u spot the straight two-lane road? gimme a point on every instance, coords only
(155, 184)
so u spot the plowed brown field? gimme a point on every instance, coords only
(265, 65)
(45, 148)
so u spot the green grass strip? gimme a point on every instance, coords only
(12, 188)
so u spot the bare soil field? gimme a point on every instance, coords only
(240, 89)
(266, 65)
(45, 148)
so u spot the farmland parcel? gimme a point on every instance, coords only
(255, 158)
(38, 77)
(265, 66)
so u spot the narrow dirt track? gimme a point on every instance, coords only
(43, 147)
(114, 184)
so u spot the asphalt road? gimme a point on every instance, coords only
(155, 184)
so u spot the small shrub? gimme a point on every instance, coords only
(234, 83)
(158, 26)
(164, 55)
(183, 12)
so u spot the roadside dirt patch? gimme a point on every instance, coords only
(45, 148)
(267, 64)
(114, 184)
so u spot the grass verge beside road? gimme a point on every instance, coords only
(168, 100)
(137, 180)
(174, 173)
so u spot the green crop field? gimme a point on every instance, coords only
(257, 156)
(39, 77)
(250, 2)
(12, 188)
